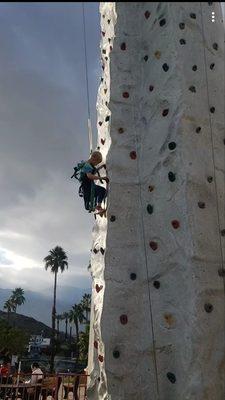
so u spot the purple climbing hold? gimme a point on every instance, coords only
(126, 95)
(153, 245)
(123, 319)
(208, 307)
(147, 14)
(201, 204)
(133, 155)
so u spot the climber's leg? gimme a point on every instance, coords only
(100, 194)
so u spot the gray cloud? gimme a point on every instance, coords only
(42, 134)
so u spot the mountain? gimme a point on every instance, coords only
(27, 324)
(38, 305)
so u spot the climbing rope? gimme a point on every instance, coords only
(87, 82)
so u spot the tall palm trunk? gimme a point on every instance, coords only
(66, 328)
(53, 325)
(77, 344)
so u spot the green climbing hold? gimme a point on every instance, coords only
(150, 208)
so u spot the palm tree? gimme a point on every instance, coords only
(65, 317)
(86, 305)
(56, 260)
(76, 316)
(18, 297)
(9, 306)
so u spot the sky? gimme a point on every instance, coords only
(43, 134)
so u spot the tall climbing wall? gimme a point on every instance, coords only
(158, 269)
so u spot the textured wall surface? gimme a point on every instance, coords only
(158, 312)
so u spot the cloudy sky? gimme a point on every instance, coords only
(43, 133)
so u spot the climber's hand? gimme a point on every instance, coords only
(105, 178)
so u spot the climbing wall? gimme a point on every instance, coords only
(158, 259)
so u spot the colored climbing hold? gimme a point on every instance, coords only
(215, 46)
(208, 307)
(116, 354)
(153, 245)
(212, 110)
(133, 155)
(106, 58)
(171, 377)
(104, 51)
(150, 208)
(182, 25)
(108, 21)
(223, 232)
(146, 58)
(102, 141)
(102, 251)
(151, 188)
(133, 276)
(123, 319)
(123, 46)
(162, 22)
(192, 89)
(212, 66)
(221, 272)
(103, 33)
(126, 95)
(151, 88)
(165, 112)
(182, 41)
(100, 123)
(198, 129)
(201, 204)
(171, 176)
(105, 91)
(96, 344)
(193, 16)
(175, 224)
(210, 179)
(121, 130)
(156, 284)
(107, 118)
(110, 48)
(95, 251)
(194, 68)
(165, 67)
(101, 358)
(98, 288)
(112, 218)
(157, 54)
(147, 14)
(172, 145)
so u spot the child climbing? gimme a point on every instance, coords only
(88, 173)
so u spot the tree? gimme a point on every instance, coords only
(84, 344)
(18, 297)
(56, 260)
(9, 306)
(65, 316)
(77, 317)
(12, 340)
(86, 305)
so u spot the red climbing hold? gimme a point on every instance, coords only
(98, 288)
(123, 319)
(123, 46)
(121, 130)
(101, 358)
(133, 155)
(151, 88)
(153, 245)
(102, 141)
(126, 95)
(175, 224)
(147, 14)
(96, 344)
(165, 112)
